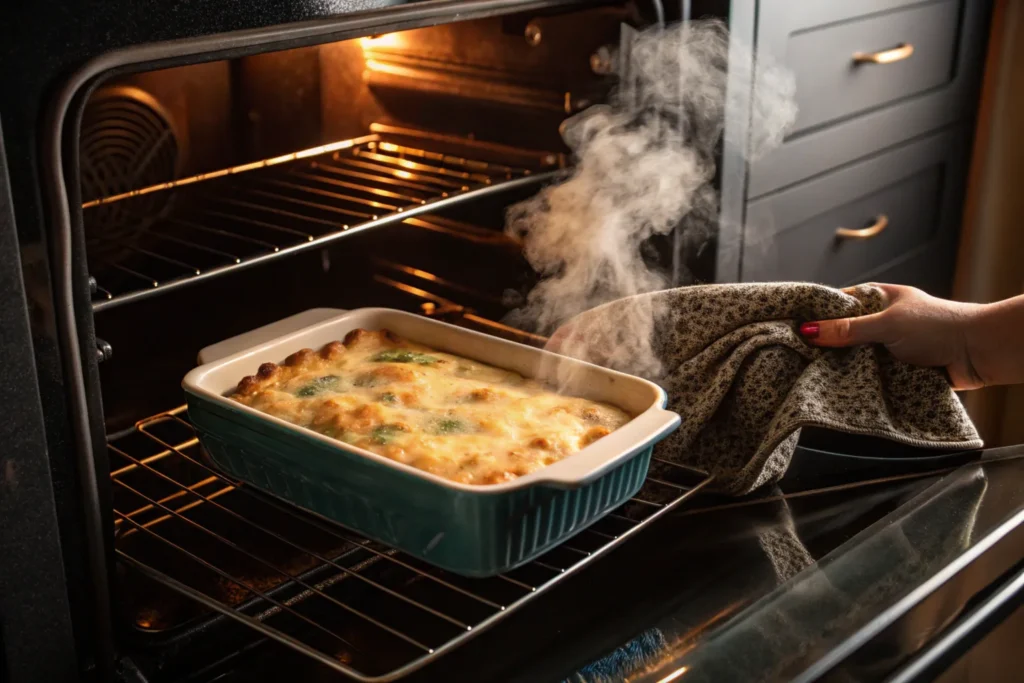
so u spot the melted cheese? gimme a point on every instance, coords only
(459, 419)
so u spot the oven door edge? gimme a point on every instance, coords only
(36, 635)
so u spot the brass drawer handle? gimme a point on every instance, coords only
(896, 54)
(878, 226)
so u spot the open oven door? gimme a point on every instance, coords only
(36, 637)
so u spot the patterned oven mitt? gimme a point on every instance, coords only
(744, 381)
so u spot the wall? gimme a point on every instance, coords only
(991, 262)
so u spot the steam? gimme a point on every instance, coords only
(645, 165)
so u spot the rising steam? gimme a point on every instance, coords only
(645, 165)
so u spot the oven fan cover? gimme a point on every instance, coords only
(128, 141)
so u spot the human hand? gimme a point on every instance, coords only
(915, 327)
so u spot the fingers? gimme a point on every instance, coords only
(867, 329)
(893, 293)
(890, 293)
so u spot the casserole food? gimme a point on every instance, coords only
(468, 529)
(459, 419)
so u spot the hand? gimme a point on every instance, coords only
(916, 327)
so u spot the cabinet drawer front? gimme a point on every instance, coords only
(909, 113)
(915, 190)
(930, 269)
(834, 79)
(812, 251)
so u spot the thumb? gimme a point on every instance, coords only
(865, 329)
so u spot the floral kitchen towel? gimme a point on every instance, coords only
(744, 381)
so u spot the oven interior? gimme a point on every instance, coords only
(225, 195)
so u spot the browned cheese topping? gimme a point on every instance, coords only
(459, 419)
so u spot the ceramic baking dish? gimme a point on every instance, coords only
(469, 530)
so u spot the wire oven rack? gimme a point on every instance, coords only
(222, 221)
(354, 605)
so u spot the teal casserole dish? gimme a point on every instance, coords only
(469, 530)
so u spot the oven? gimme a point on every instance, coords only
(177, 175)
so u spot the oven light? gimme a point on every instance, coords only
(385, 40)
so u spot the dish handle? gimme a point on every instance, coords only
(227, 347)
(595, 460)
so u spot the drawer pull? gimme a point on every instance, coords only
(896, 54)
(878, 226)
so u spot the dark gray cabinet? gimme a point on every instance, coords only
(848, 67)
(887, 91)
(851, 223)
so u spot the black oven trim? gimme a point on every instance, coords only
(73, 311)
(36, 633)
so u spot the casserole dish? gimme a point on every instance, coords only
(470, 530)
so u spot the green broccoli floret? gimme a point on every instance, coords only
(384, 434)
(403, 356)
(319, 385)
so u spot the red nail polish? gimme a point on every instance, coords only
(810, 330)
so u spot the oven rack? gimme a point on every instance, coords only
(354, 605)
(223, 221)
(421, 288)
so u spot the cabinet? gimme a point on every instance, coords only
(887, 91)
(851, 223)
